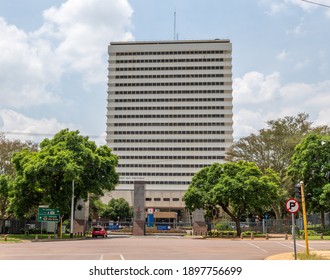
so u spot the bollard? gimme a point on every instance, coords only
(48, 236)
(5, 237)
(252, 237)
(286, 236)
(36, 237)
(267, 237)
(241, 235)
(321, 235)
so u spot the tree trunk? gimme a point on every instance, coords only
(238, 227)
(234, 218)
(277, 211)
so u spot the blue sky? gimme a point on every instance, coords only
(53, 58)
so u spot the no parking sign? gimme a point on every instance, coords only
(292, 205)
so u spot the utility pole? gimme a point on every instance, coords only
(72, 211)
(302, 186)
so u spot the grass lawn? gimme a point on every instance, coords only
(22, 237)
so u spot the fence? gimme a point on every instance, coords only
(273, 225)
(11, 226)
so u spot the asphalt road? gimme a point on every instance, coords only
(153, 248)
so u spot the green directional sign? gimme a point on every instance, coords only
(48, 214)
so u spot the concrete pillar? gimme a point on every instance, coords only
(139, 208)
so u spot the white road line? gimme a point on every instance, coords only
(284, 245)
(297, 244)
(122, 257)
(257, 247)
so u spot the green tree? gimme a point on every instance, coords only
(273, 147)
(117, 209)
(311, 164)
(7, 148)
(238, 188)
(96, 207)
(7, 172)
(45, 176)
(6, 182)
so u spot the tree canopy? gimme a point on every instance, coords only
(311, 164)
(7, 171)
(273, 147)
(7, 148)
(45, 176)
(237, 187)
(117, 209)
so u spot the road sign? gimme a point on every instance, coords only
(292, 205)
(48, 214)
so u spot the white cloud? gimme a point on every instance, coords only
(73, 40)
(255, 87)
(297, 30)
(302, 64)
(74, 37)
(259, 98)
(246, 122)
(282, 55)
(23, 127)
(284, 6)
(276, 8)
(25, 69)
(85, 29)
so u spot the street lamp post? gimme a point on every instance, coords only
(304, 215)
(72, 211)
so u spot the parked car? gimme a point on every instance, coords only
(99, 231)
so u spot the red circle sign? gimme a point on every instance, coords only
(292, 205)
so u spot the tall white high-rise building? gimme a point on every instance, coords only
(169, 114)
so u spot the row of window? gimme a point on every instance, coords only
(162, 165)
(169, 149)
(173, 60)
(144, 92)
(169, 140)
(158, 108)
(168, 84)
(168, 124)
(164, 199)
(170, 52)
(172, 68)
(172, 157)
(157, 182)
(169, 116)
(174, 76)
(165, 132)
(144, 100)
(155, 174)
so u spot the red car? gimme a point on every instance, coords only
(99, 231)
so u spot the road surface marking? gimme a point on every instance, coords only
(257, 247)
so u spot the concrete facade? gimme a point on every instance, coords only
(169, 114)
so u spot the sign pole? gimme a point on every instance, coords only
(292, 205)
(72, 211)
(294, 237)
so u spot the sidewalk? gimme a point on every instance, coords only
(290, 256)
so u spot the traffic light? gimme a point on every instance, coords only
(297, 191)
